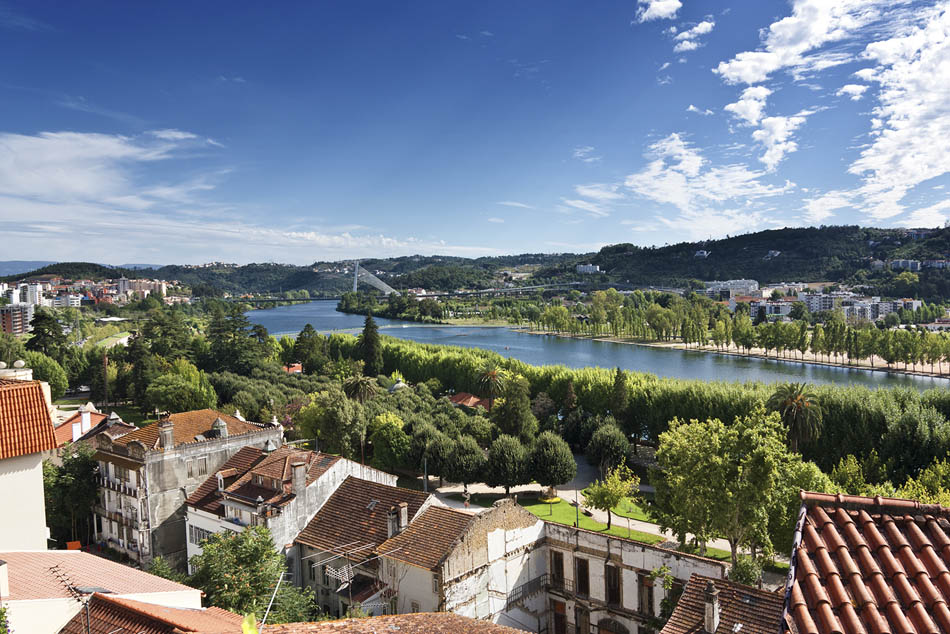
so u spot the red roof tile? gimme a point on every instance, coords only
(108, 614)
(30, 576)
(357, 514)
(869, 565)
(757, 611)
(239, 472)
(428, 539)
(64, 431)
(470, 400)
(25, 423)
(187, 426)
(421, 623)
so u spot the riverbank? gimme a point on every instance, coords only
(874, 364)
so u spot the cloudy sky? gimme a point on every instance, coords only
(295, 132)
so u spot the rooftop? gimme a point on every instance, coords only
(357, 515)
(240, 470)
(428, 539)
(64, 431)
(31, 577)
(420, 623)
(187, 426)
(869, 565)
(741, 608)
(25, 423)
(470, 400)
(109, 614)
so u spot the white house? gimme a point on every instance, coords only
(281, 489)
(42, 591)
(26, 434)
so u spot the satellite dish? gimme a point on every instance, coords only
(19, 363)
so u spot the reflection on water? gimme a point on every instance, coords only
(578, 353)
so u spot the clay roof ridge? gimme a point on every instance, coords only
(131, 607)
(876, 504)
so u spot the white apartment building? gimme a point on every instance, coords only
(281, 489)
(587, 269)
(717, 288)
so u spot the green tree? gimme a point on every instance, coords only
(238, 572)
(492, 380)
(46, 334)
(47, 369)
(160, 567)
(183, 389)
(507, 464)
(513, 414)
(619, 395)
(70, 492)
(371, 348)
(607, 494)
(336, 421)
(800, 411)
(607, 448)
(391, 444)
(552, 462)
(360, 388)
(467, 463)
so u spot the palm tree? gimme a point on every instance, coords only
(800, 412)
(360, 388)
(492, 380)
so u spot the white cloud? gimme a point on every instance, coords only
(775, 135)
(679, 175)
(586, 154)
(496, 220)
(696, 110)
(513, 203)
(812, 25)
(912, 117)
(487, 33)
(601, 192)
(820, 208)
(462, 37)
(687, 40)
(594, 209)
(173, 135)
(657, 9)
(933, 216)
(750, 105)
(852, 91)
(665, 66)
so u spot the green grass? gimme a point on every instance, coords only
(109, 342)
(634, 511)
(564, 513)
(129, 414)
(70, 400)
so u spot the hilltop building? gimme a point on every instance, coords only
(145, 477)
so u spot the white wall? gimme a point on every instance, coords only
(23, 520)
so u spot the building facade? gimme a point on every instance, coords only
(146, 475)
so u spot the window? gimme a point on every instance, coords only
(645, 583)
(582, 577)
(202, 466)
(557, 568)
(612, 574)
(415, 607)
(312, 571)
(190, 468)
(435, 585)
(197, 535)
(326, 577)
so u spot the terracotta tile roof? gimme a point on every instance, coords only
(429, 538)
(357, 513)
(470, 400)
(869, 566)
(25, 423)
(239, 472)
(206, 497)
(108, 614)
(421, 623)
(30, 576)
(757, 611)
(64, 431)
(187, 425)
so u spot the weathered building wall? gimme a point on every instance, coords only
(23, 520)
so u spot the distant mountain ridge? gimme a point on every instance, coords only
(832, 253)
(15, 267)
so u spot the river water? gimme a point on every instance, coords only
(579, 353)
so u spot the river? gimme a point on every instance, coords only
(579, 353)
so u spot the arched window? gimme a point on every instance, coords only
(610, 626)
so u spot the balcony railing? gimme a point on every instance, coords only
(118, 486)
(543, 583)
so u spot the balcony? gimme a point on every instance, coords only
(118, 486)
(543, 583)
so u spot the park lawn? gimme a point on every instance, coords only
(634, 511)
(112, 341)
(71, 400)
(129, 414)
(564, 513)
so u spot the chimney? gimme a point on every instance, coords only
(237, 414)
(392, 522)
(4, 580)
(403, 516)
(220, 479)
(299, 479)
(221, 426)
(85, 419)
(76, 431)
(711, 600)
(166, 434)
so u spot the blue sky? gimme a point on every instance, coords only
(252, 132)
